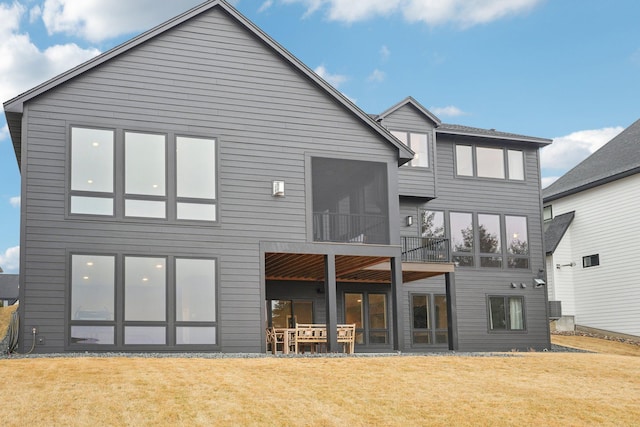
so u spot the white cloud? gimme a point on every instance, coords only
(567, 151)
(334, 80)
(4, 132)
(23, 64)
(376, 76)
(34, 14)
(266, 5)
(15, 201)
(448, 111)
(385, 53)
(432, 12)
(97, 20)
(10, 260)
(548, 180)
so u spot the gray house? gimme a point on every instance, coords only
(8, 289)
(197, 184)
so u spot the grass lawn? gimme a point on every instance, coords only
(556, 389)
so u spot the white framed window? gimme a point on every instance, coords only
(489, 162)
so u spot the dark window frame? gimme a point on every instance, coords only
(506, 304)
(474, 165)
(407, 142)
(591, 261)
(431, 320)
(119, 323)
(119, 196)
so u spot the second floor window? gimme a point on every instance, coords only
(147, 163)
(489, 162)
(419, 143)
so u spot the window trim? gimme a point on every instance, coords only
(507, 329)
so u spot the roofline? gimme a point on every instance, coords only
(591, 185)
(416, 104)
(16, 105)
(520, 138)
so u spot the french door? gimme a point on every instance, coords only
(369, 311)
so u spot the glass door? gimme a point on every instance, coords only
(286, 313)
(369, 312)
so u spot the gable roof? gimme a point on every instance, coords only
(617, 159)
(410, 101)
(555, 230)
(14, 107)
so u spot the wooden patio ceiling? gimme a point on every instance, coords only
(354, 269)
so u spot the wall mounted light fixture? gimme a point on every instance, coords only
(409, 221)
(278, 188)
(539, 283)
(571, 264)
(514, 285)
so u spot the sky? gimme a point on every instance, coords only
(567, 70)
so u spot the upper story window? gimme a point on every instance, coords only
(432, 224)
(477, 239)
(547, 213)
(95, 187)
(92, 176)
(488, 162)
(419, 143)
(145, 167)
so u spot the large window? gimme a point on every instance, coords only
(462, 239)
(92, 177)
(146, 166)
(429, 313)
(196, 178)
(489, 162)
(517, 241)
(506, 313)
(433, 224)
(419, 143)
(479, 238)
(489, 240)
(141, 315)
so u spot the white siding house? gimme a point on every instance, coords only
(592, 256)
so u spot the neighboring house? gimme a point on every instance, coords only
(8, 289)
(198, 183)
(592, 234)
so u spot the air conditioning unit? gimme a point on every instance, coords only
(555, 309)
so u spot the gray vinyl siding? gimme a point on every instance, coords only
(208, 77)
(474, 285)
(414, 182)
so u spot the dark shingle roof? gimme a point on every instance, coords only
(617, 159)
(555, 229)
(9, 286)
(491, 133)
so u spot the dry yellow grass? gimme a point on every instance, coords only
(524, 389)
(5, 317)
(597, 345)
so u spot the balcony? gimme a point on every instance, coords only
(350, 228)
(423, 249)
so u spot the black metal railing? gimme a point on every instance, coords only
(424, 249)
(350, 228)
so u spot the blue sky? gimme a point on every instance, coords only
(562, 69)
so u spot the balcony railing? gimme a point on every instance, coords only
(350, 228)
(423, 249)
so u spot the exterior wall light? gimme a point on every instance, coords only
(539, 283)
(278, 188)
(409, 221)
(514, 285)
(523, 285)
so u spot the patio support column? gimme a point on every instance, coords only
(452, 323)
(331, 301)
(396, 290)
